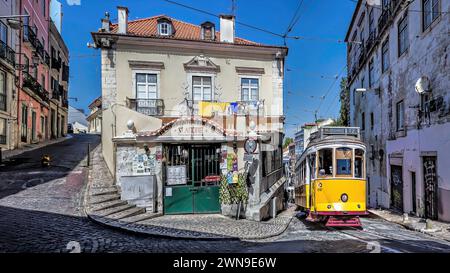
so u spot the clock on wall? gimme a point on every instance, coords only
(250, 145)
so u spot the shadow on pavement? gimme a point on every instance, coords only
(26, 170)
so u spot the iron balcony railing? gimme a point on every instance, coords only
(65, 73)
(31, 83)
(389, 11)
(29, 35)
(149, 107)
(65, 103)
(7, 53)
(56, 63)
(3, 102)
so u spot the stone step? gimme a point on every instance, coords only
(103, 191)
(107, 205)
(141, 217)
(113, 210)
(103, 198)
(126, 213)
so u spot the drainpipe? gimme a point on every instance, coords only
(20, 74)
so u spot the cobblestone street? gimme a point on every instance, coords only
(41, 211)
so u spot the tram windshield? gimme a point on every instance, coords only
(344, 158)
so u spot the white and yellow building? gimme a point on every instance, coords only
(179, 101)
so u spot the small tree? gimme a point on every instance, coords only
(344, 112)
(287, 141)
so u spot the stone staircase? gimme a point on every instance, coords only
(104, 203)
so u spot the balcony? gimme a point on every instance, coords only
(371, 40)
(361, 56)
(56, 63)
(149, 107)
(47, 58)
(388, 14)
(7, 53)
(30, 83)
(65, 103)
(65, 73)
(29, 35)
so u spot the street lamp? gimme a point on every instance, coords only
(367, 89)
(12, 21)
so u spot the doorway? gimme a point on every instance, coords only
(397, 187)
(430, 184)
(192, 178)
(413, 192)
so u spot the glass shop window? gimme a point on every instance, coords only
(325, 162)
(359, 163)
(344, 162)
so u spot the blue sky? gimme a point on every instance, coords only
(312, 62)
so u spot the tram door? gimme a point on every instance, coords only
(199, 191)
(396, 188)
(430, 182)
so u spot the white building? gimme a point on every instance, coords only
(179, 102)
(407, 132)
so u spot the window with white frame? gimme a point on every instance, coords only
(164, 28)
(146, 86)
(201, 88)
(249, 89)
(430, 12)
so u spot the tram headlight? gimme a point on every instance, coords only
(344, 197)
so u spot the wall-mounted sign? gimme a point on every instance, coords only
(176, 175)
(250, 145)
(144, 164)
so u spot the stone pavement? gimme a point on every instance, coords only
(103, 205)
(437, 229)
(30, 147)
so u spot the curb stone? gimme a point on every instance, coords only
(409, 226)
(140, 229)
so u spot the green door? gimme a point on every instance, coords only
(206, 199)
(197, 195)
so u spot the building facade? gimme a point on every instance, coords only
(301, 137)
(179, 102)
(398, 57)
(59, 84)
(8, 91)
(95, 116)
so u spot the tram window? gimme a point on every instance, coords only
(312, 165)
(359, 163)
(326, 162)
(344, 161)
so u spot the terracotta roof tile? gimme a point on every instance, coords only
(147, 27)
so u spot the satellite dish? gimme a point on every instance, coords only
(423, 85)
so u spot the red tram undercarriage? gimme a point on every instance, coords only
(337, 218)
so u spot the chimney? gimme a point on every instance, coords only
(227, 28)
(105, 23)
(123, 20)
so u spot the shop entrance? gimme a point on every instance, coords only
(192, 178)
(397, 188)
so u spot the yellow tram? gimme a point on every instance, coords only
(331, 177)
